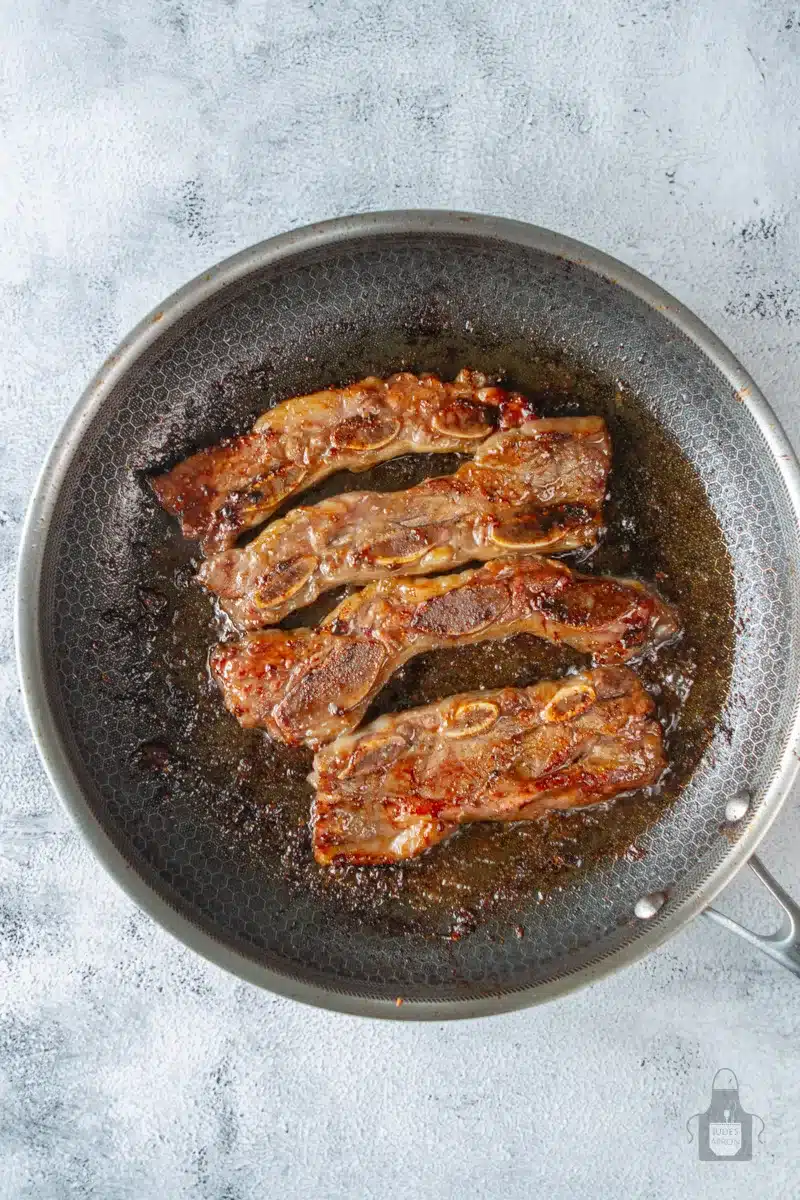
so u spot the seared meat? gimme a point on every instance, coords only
(410, 779)
(311, 685)
(235, 485)
(534, 490)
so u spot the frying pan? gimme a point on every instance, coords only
(369, 294)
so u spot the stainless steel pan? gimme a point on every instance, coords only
(114, 700)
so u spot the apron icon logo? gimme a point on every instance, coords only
(725, 1130)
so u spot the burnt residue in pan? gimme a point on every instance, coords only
(254, 793)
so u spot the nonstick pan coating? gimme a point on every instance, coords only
(112, 632)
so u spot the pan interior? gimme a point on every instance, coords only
(213, 817)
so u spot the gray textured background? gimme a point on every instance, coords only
(138, 144)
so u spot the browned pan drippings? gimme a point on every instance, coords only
(660, 528)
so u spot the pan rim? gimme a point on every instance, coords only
(48, 739)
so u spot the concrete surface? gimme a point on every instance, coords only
(141, 142)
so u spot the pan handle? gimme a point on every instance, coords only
(784, 944)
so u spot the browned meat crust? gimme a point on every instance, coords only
(226, 489)
(311, 685)
(535, 490)
(410, 779)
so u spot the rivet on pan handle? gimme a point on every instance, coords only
(784, 944)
